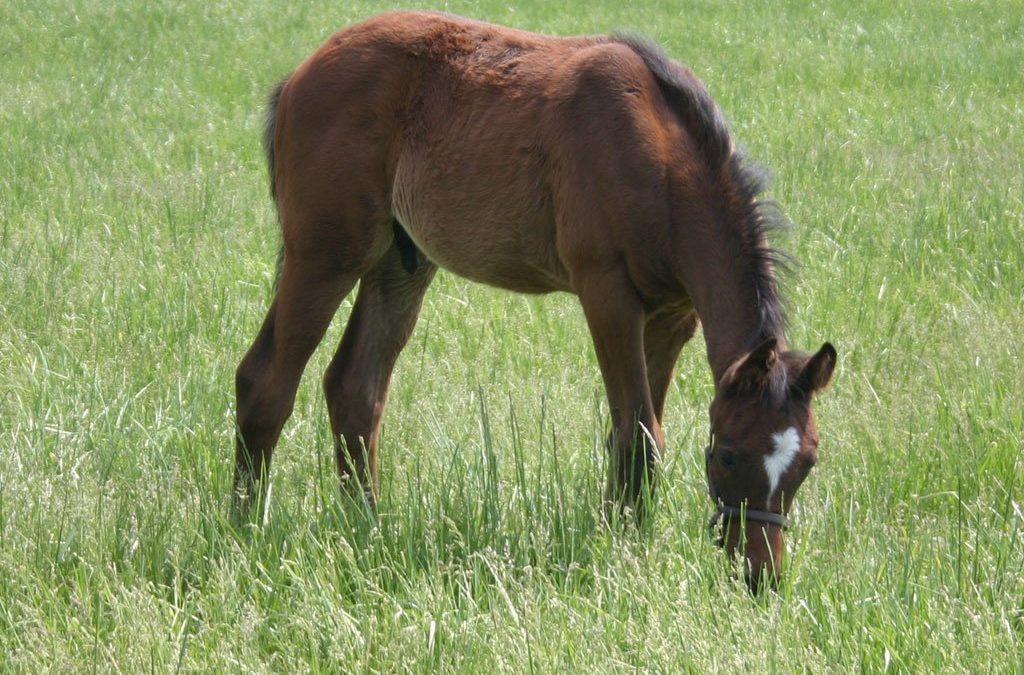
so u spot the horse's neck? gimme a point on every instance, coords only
(729, 309)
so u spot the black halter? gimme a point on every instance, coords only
(725, 512)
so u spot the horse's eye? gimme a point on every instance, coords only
(727, 458)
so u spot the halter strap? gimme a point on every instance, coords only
(724, 513)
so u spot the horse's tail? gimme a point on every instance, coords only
(688, 97)
(269, 131)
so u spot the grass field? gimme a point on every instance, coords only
(137, 248)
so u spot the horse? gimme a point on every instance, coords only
(591, 165)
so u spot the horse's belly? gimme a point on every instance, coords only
(493, 232)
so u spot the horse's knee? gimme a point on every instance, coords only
(333, 380)
(634, 455)
(261, 406)
(246, 378)
(353, 412)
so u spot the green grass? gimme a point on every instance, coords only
(137, 247)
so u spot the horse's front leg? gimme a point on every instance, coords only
(616, 320)
(665, 333)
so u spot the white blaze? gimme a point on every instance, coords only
(787, 444)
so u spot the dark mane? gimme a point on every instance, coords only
(762, 216)
(692, 102)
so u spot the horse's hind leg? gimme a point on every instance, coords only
(356, 382)
(308, 293)
(616, 321)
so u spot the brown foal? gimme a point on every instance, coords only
(593, 165)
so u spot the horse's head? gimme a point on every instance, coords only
(763, 444)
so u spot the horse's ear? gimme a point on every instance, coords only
(763, 358)
(750, 372)
(818, 371)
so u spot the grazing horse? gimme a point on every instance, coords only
(591, 165)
